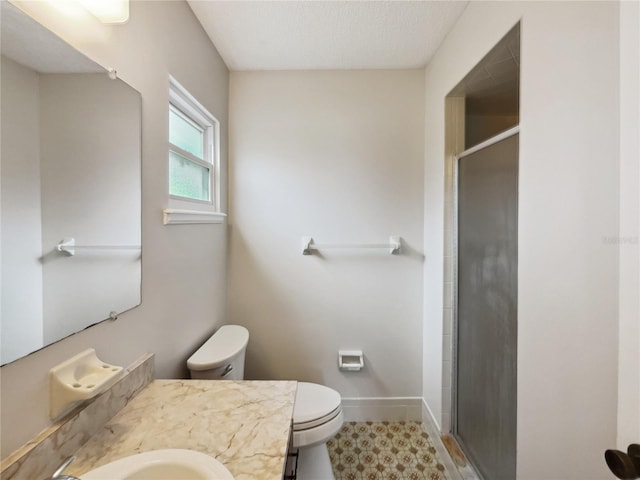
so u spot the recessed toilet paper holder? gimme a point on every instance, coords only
(350, 360)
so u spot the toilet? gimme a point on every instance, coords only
(317, 411)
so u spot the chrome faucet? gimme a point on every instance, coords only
(58, 475)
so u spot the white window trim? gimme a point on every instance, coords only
(171, 216)
(184, 210)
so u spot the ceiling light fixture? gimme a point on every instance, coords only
(108, 11)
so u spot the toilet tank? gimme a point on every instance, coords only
(221, 357)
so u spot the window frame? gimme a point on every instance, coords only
(185, 105)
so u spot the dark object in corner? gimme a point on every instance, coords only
(625, 466)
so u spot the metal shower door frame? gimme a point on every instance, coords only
(454, 327)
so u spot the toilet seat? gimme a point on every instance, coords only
(317, 422)
(317, 414)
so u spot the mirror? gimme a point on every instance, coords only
(70, 173)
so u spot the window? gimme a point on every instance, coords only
(193, 151)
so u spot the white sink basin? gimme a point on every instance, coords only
(171, 464)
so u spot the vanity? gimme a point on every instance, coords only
(245, 425)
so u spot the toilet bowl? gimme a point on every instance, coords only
(317, 412)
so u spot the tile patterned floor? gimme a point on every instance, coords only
(384, 451)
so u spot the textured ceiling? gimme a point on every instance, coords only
(311, 34)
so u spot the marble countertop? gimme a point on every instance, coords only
(243, 424)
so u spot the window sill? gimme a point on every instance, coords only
(171, 216)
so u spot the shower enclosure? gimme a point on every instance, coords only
(482, 117)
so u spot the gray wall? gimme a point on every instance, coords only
(336, 155)
(568, 201)
(184, 267)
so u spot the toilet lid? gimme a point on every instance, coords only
(221, 348)
(313, 402)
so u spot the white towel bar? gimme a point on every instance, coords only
(394, 245)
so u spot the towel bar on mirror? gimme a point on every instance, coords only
(68, 247)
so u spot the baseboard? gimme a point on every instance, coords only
(457, 470)
(427, 416)
(379, 409)
(433, 430)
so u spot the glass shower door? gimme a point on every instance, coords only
(486, 348)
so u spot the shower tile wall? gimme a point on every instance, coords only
(455, 143)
